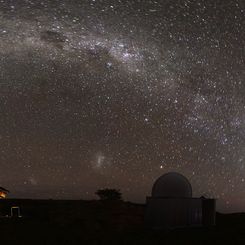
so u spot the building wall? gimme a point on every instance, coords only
(209, 211)
(173, 212)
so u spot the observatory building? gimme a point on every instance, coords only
(172, 205)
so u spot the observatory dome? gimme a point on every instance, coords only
(172, 185)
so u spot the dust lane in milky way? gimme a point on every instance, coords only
(100, 94)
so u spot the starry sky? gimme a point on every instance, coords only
(115, 93)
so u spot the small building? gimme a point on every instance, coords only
(3, 193)
(172, 205)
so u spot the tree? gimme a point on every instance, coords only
(109, 194)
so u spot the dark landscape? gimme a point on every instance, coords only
(105, 222)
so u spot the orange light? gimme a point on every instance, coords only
(2, 194)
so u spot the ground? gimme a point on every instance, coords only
(95, 222)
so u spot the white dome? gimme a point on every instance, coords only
(172, 185)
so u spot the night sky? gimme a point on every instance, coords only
(115, 93)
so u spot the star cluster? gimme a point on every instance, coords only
(115, 93)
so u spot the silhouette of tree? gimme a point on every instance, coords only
(109, 194)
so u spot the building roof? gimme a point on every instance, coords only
(172, 185)
(3, 189)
